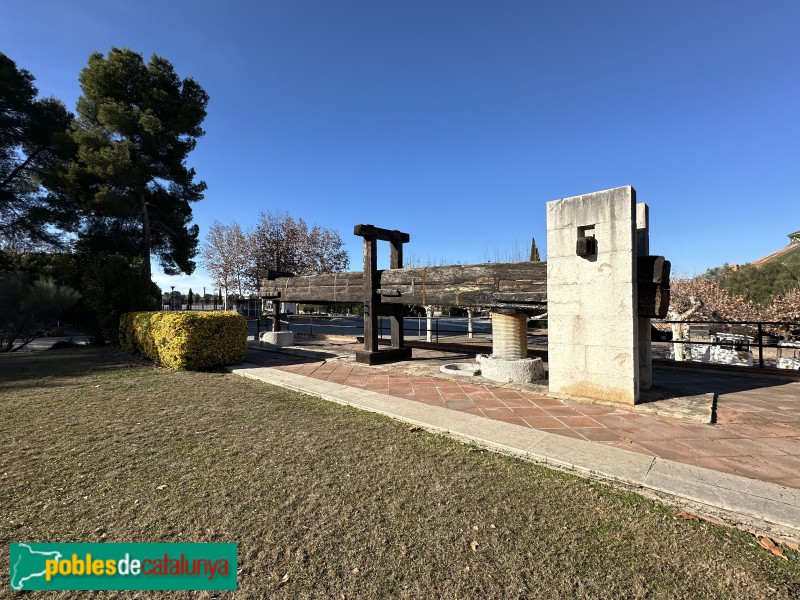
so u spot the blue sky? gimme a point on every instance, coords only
(456, 120)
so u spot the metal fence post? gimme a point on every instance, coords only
(760, 346)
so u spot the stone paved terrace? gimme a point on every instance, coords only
(757, 434)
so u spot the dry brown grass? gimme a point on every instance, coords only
(329, 502)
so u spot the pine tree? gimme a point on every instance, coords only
(136, 125)
(33, 137)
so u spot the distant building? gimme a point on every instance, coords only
(793, 249)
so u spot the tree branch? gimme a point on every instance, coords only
(22, 166)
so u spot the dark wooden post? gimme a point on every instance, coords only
(373, 306)
(276, 316)
(371, 298)
(396, 318)
(276, 303)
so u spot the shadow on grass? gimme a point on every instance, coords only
(21, 370)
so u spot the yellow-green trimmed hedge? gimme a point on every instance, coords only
(185, 339)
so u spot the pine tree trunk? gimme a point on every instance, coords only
(147, 274)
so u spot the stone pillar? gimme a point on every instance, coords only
(509, 359)
(592, 302)
(509, 336)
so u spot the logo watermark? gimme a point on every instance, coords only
(97, 566)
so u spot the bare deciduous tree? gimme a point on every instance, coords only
(703, 297)
(325, 252)
(237, 259)
(280, 243)
(225, 254)
(717, 303)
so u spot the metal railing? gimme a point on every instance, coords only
(201, 306)
(248, 311)
(740, 335)
(413, 327)
(443, 329)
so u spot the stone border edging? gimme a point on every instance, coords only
(756, 502)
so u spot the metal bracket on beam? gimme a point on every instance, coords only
(388, 292)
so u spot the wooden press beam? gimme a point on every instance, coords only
(491, 285)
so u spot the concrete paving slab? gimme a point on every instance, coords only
(595, 459)
(755, 503)
(772, 503)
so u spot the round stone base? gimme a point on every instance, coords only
(277, 339)
(468, 369)
(524, 370)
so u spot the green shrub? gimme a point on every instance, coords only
(185, 340)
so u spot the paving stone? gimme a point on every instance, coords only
(459, 404)
(529, 411)
(669, 449)
(579, 421)
(545, 423)
(503, 413)
(562, 411)
(598, 434)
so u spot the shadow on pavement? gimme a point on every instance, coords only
(285, 356)
(703, 382)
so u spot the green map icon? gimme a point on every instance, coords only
(27, 565)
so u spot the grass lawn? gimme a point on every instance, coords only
(329, 502)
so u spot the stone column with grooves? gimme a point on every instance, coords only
(509, 336)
